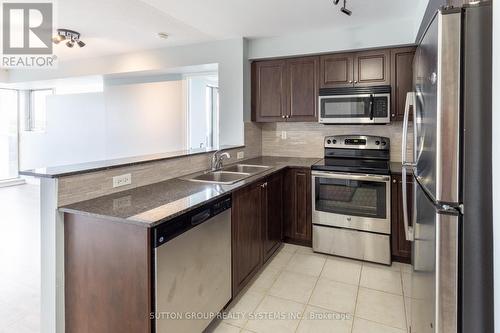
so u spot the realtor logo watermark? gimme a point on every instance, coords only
(27, 29)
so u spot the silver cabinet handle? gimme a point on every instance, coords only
(355, 81)
(283, 117)
(350, 81)
(408, 230)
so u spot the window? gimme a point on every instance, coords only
(8, 134)
(36, 111)
(203, 111)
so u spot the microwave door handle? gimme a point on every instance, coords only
(410, 102)
(371, 106)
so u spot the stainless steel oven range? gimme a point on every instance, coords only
(351, 199)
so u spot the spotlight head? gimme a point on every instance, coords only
(70, 43)
(57, 39)
(336, 2)
(346, 11)
(80, 43)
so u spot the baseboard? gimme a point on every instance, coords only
(12, 182)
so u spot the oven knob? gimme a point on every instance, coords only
(377, 142)
(334, 141)
(384, 143)
(329, 141)
(349, 219)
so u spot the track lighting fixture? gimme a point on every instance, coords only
(71, 36)
(343, 9)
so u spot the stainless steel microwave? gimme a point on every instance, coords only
(357, 105)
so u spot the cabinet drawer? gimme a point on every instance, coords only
(353, 244)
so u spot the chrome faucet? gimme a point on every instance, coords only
(217, 158)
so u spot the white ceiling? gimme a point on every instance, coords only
(121, 26)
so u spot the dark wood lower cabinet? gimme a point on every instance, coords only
(401, 249)
(107, 269)
(246, 234)
(297, 206)
(272, 222)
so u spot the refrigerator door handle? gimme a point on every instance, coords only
(408, 230)
(410, 104)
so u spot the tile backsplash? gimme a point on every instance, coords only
(306, 139)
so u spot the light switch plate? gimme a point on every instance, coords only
(122, 180)
(283, 135)
(240, 155)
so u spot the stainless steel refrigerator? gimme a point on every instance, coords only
(451, 224)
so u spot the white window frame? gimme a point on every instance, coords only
(29, 121)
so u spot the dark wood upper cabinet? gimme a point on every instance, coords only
(272, 207)
(401, 248)
(372, 68)
(402, 79)
(297, 206)
(268, 93)
(336, 70)
(246, 235)
(302, 89)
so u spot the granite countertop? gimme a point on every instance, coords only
(154, 204)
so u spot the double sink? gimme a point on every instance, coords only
(228, 175)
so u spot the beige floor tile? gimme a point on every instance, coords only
(226, 328)
(335, 296)
(281, 259)
(276, 315)
(317, 320)
(309, 250)
(406, 279)
(292, 248)
(342, 270)
(265, 279)
(404, 268)
(366, 326)
(306, 264)
(293, 286)
(239, 312)
(393, 267)
(381, 307)
(382, 279)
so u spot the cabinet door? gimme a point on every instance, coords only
(372, 68)
(246, 235)
(302, 89)
(273, 215)
(297, 206)
(401, 249)
(402, 80)
(336, 70)
(269, 93)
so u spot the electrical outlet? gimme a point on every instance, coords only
(283, 135)
(122, 180)
(240, 155)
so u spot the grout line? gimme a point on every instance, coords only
(310, 296)
(382, 324)
(357, 296)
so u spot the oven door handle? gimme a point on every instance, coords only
(350, 176)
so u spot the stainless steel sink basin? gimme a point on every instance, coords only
(220, 177)
(228, 175)
(246, 168)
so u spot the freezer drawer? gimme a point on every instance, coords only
(353, 244)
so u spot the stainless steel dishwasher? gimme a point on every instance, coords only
(192, 268)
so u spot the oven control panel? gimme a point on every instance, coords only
(357, 142)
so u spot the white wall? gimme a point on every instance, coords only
(399, 32)
(144, 119)
(74, 133)
(228, 54)
(199, 116)
(124, 121)
(496, 160)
